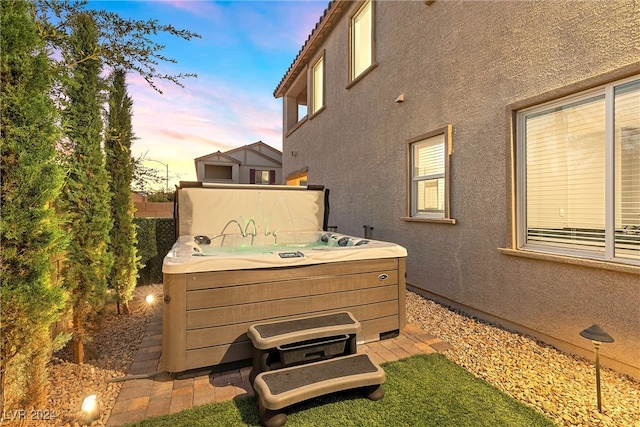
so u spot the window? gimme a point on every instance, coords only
(218, 172)
(264, 177)
(361, 42)
(429, 175)
(317, 86)
(579, 174)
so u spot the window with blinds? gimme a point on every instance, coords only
(429, 170)
(626, 131)
(580, 186)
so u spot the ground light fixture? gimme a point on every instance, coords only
(597, 335)
(149, 299)
(90, 408)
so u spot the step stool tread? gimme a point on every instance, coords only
(284, 387)
(273, 334)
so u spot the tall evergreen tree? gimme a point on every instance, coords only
(30, 181)
(85, 195)
(119, 136)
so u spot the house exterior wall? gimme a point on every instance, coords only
(471, 64)
(251, 160)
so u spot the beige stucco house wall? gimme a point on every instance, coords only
(249, 164)
(471, 65)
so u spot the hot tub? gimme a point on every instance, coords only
(190, 255)
(268, 258)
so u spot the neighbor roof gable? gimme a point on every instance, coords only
(218, 155)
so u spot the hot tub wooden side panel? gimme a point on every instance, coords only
(209, 313)
(257, 312)
(385, 319)
(174, 323)
(256, 292)
(242, 349)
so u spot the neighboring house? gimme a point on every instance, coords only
(482, 136)
(256, 163)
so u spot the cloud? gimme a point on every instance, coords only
(279, 25)
(246, 46)
(200, 8)
(206, 116)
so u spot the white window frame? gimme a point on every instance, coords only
(413, 180)
(608, 254)
(316, 86)
(356, 74)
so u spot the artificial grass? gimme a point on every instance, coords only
(422, 390)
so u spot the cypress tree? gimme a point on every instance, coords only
(30, 181)
(119, 163)
(85, 195)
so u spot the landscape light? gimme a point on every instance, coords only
(149, 299)
(597, 335)
(90, 408)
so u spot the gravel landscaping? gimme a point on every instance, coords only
(107, 357)
(559, 385)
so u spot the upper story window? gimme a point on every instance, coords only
(429, 175)
(317, 86)
(218, 172)
(579, 174)
(361, 44)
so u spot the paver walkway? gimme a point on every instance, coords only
(161, 394)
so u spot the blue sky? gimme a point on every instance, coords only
(245, 49)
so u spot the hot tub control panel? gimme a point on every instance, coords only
(297, 254)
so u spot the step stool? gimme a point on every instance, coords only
(303, 358)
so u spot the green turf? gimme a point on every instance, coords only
(423, 390)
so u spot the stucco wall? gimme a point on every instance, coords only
(465, 64)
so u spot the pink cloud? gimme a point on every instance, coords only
(195, 7)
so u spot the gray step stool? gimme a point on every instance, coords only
(307, 357)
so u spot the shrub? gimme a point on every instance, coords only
(30, 181)
(156, 236)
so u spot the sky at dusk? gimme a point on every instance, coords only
(245, 50)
